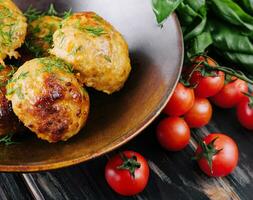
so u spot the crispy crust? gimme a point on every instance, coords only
(48, 99)
(96, 50)
(13, 29)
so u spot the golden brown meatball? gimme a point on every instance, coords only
(9, 123)
(40, 34)
(96, 50)
(48, 99)
(12, 29)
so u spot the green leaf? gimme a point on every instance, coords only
(186, 14)
(199, 44)
(244, 61)
(196, 30)
(193, 17)
(164, 8)
(232, 45)
(232, 13)
(229, 38)
(247, 5)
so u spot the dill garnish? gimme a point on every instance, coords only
(51, 11)
(7, 140)
(6, 29)
(67, 14)
(32, 13)
(21, 76)
(50, 63)
(108, 58)
(36, 50)
(18, 89)
(97, 31)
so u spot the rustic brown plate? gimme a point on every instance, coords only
(156, 56)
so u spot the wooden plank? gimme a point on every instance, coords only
(173, 175)
(12, 187)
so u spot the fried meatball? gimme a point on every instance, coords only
(9, 123)
(96, 50)
(12, 29)
(48, 99)
(40, 35)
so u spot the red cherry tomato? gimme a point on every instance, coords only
(200, 113)
(173, 133)
(206, 86)
(222, 153)
(244, 112)
(127, 173)
(180, 102)
(231, 94)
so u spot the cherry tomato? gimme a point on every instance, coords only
(231, 94)
(206, 86)
(218, 155)
(173, 133)
(200, 113)
(127, 173)
(244, 112)
(180, 102)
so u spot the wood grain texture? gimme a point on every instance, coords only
(13, 187)
(173, 175)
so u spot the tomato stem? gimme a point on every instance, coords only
(130, 164)
(208, 151)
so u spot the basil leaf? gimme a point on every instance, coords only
(232, 13)
(199, 44)
(229, 38)
(163, 8)
(231, 44)
(196, 30)
(247, 5)
(244, 61)
(192, 15)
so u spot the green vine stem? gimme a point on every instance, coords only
(229, 71)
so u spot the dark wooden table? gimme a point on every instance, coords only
(173, 175)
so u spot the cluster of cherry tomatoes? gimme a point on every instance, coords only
(189, 107)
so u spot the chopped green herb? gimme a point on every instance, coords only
(19, 92)
(51, 11)
(1, 67)
(35, 49)
(50, 63)
(10, 91)
(108, 58)
(49, 38)
(75, 50)
(98, 18)
(61, 34)
(36, 29)
(21, 76)
(32, 14)
(10, 74)
(8, 139)
(5, 12)
(67, 14)
(97, 31)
